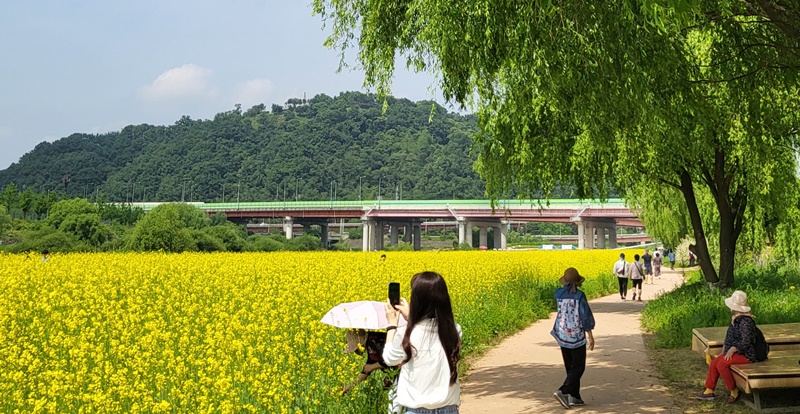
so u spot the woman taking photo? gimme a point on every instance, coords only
(429, 348)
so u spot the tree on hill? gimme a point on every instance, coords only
(630, 95)
(343, 144)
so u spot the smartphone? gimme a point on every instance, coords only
(394, 293)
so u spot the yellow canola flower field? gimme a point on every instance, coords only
(232, 332)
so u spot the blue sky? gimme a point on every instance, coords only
(96, 66)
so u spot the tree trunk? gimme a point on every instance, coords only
(727, 248)
(687, 188)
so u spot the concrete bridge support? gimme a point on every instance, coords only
(393, 234)
(501, 236)
(482, 239)
(366, 230)
(594, 231)
(323, 234)
(288, 224)
(416, 235)
(377, 241)
(612, 236)
(324, 228)
(464, 232)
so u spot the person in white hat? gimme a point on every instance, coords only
(738, 348)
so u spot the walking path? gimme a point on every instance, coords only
(521, 374)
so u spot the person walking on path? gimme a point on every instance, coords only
(671, 256)
(573, 332)
(636, 274)
(517, 375)
(648, 266)
(622, 277)
(657, 262)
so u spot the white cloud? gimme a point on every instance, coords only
(187, 81)
(254, 92)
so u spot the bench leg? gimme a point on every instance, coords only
(756, 403)
(757, 400)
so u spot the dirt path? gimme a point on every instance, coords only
(521, 374)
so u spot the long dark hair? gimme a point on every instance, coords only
(430, 300)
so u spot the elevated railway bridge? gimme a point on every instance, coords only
(596, 222)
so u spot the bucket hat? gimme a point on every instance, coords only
(571, 275)
(738, 302)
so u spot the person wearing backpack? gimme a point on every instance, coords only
(573, 333)
(739, 348)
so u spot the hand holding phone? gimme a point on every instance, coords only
(394, 294)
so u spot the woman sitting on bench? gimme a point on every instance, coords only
(738, 348)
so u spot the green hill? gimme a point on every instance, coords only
(306, 149)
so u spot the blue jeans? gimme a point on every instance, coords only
(450, 409)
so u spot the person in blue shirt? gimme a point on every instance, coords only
(573, 333)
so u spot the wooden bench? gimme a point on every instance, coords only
(780, 372)
(779, 336)
(775, 375)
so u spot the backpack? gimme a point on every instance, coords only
(761, 346)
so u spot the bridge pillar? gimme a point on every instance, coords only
(417, 236)
(581, 235)
(464, 232)
(588, 242)
(323, 234)
(288, 223)
(393, 231)
(501, 236)
(407, 233)
(366, 235)
(601, 236)
(482, 236)
(378, 235)
(612, 236)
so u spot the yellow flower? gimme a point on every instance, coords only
(225, 332)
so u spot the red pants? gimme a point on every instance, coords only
(721, 367)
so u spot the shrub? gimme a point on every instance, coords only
(304, 243)
(207, 242)
(230, 235)
(265, 244)
(694, 305)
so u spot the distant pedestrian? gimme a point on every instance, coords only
(573, 332)
(657, 262)
(648, 266)
(671, 256)
(622, 277)
(636, 274)
(45, 255)
(691, 258)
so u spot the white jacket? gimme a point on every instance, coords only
(424, 380)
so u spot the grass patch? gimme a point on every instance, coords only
(773, 295)
(684, 372)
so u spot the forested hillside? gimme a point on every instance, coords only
(328, 146)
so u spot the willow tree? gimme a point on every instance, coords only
(633, 95)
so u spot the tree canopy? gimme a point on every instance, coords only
(672, 98)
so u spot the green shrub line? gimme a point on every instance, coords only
(773, 294)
